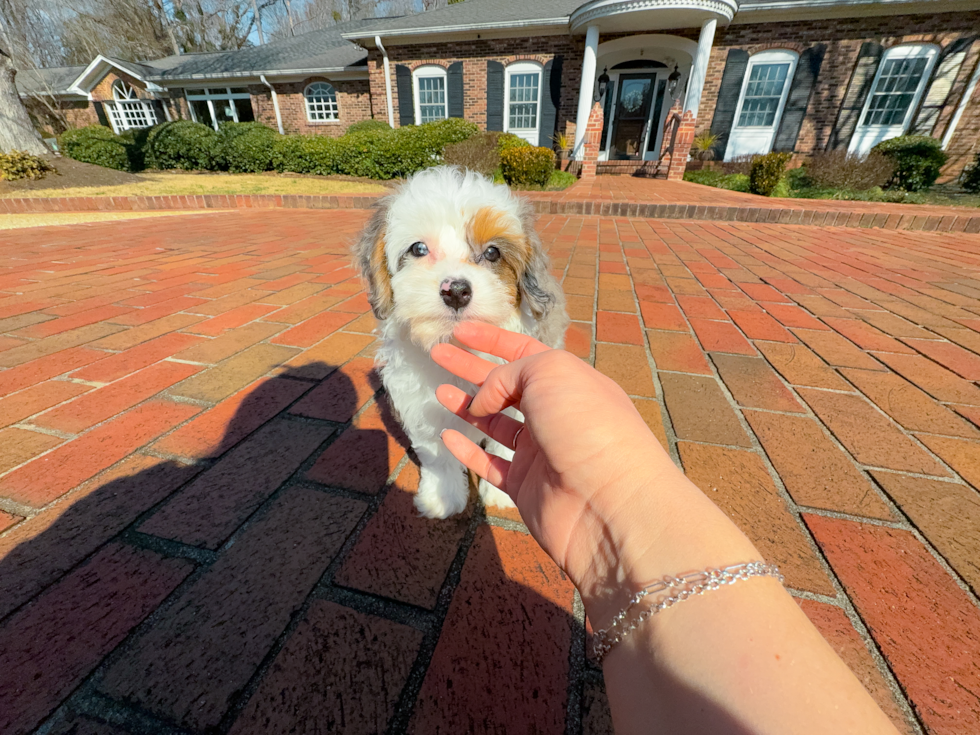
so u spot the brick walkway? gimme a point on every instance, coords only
(206, 520)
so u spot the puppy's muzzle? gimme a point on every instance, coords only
(456, 293)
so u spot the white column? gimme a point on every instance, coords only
(700, 68)
(587, 88)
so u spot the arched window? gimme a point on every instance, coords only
(430, 94)
(127, 110)
(898, 86)
(522, 101)
(760, 104)
(321, 102)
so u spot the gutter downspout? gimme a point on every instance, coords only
(275, 102)
(391, 109)
(967, 95)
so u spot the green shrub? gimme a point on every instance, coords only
(247, 147)
(736, 182)
(478, 153)
(181, 144)
(970, 178)
(527, 166)
(766, 172)
(369, 126)
(306, 154)
(98, 145)
(918, 160)
(710, 177)
(22, 165)
(509, 141)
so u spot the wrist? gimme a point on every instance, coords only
(633, 536)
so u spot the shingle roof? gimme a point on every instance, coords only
(474, 13)
(324, 49)
(55, 80)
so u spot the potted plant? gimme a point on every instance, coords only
(703, 147)
(562, 146)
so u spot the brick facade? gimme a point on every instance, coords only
(843, 38)
(353, 105)
(474, 55)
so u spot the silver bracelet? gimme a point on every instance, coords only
(678, 589)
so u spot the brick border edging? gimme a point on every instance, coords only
(771, 215)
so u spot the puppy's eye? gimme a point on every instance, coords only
(491, 254)
(419, 249)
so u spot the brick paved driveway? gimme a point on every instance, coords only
(205, 510)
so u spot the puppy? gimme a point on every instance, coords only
(450, 246)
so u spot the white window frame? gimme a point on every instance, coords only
(330, 107)
(757, 139)
(127, 110)
(430, 71)
(531, 135)
(212, 95)
(866, 137)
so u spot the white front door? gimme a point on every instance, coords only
(635, 106)
(897, 89)
(760, 105)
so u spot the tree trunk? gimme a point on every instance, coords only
(16, 130)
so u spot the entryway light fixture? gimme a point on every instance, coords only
(601, 83)
(672, 80)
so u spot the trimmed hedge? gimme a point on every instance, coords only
(98, 145)
(766, 172)
(527, 165)
(247, 147)
(369, 126)
(970, 179)
(181, 144)
(481, 153)
(918, 161)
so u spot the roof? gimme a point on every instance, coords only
(55, 80)
(471, 15)
(316, 50)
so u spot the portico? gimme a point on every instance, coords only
(638, 78)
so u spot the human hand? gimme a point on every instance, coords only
(586, 466)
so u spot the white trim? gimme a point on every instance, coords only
(100, 60)
(226, 96)
(586, 90)
(456, 28)
(699, 69)
(275, 104)
(865, 137)
(531, 135)
(387, 66)
(598, 9)
(964, 101)
(759, 139)
(280, 75)
(430, 71)
(331, 115)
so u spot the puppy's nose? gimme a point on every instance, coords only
(456, 294)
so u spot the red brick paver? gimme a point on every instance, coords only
(206, 518)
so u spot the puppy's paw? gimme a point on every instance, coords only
(494, 496)
(441, 495)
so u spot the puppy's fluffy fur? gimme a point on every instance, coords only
(471, 231)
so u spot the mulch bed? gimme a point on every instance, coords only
(71, 173)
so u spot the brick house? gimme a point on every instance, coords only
(785, 75)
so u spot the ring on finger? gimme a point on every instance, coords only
(514, 442)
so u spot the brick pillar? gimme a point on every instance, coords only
(682, 147)
(593, 139)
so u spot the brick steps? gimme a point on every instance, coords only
(543, 203)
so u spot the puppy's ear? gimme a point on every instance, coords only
(369, 254)
(540, 291)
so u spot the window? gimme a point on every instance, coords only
(760, 104)
(763, 94)
(127, 110)
(430, 94)
(321, 102)
(523, 100)
(217, 105)
(898, 86)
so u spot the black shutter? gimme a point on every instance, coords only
(728, 93)
(944, 74)
(158, 111)
(550, 101)
(495, 95)
(406, 101)
(100, 114)
(857, 94)
(807, 71)
(454, 89)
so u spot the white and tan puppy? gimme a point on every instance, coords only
(450, 246)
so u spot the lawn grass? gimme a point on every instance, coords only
(165, 184)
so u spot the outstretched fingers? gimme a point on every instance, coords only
(499, 427)
(496, 341)
(490, 467)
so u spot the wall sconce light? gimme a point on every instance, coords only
(601, 83)
(672, 81)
